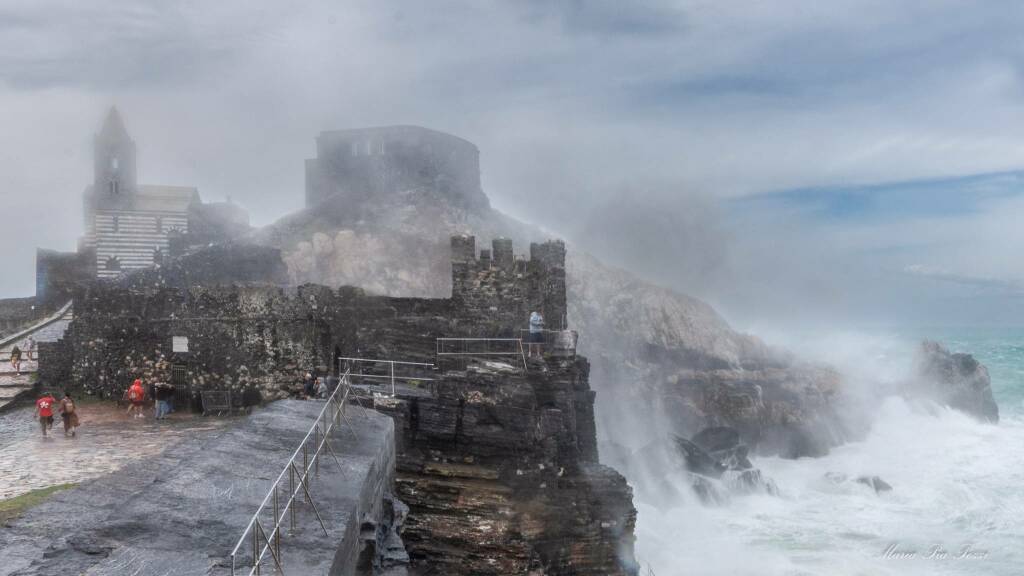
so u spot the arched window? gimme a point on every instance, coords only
(112, 263)
(114, 187)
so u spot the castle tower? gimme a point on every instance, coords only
(113, 160)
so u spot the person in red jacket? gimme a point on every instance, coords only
(135, 395)
(44, 411)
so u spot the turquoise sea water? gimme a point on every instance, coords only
(957, 505)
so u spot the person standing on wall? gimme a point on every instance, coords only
(536, 333)
(69, 413)
(44, 411)
(135, 395)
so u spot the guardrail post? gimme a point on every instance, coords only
(305, 470)
(277, 525)
(255, 550)
(393, 395)
(291, 497)
(316, 442)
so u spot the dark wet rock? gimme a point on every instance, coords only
(717, 438)
(836, 477)
(876, 483)
(707, 491)
(750, 482)
(733, 458)
(697, 460)
(955, 380)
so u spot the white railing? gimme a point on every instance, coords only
(390, 365)
(474, 347)
(262, 542)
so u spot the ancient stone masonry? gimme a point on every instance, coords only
(502, 291)
(499, 469)
(357, 164)
(498, 464)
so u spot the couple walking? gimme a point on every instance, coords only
(68, 412)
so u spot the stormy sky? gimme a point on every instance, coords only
(842, 161)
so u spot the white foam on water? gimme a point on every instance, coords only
(956, 484)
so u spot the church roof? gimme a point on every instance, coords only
(113, 126)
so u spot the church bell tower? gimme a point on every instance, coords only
(114, 166)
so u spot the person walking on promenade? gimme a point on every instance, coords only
(44, 411)
(136, 395)
(321, 388)
(536, 333)
(16, 359)
(69, 413)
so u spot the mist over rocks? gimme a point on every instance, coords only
(660, 358)
(956, 380)
(713, 464)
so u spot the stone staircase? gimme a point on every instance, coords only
(49, 329)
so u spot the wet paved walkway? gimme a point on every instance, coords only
(181, 512)
(106, 440)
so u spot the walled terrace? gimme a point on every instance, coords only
(496, 460)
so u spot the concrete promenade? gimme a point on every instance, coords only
(180, 512)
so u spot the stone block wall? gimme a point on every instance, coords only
(16, 313)
(360, 163)
(256, 335)
(59, 274)
(500, 291)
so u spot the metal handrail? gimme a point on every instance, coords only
(391, 364)
(440, 342)
(320, 431)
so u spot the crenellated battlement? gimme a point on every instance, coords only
(497, 285)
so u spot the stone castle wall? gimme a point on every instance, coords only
(367, 162)
(256, 335)
(503, 290)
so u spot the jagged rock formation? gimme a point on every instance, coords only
(955, 380)
(713, 464)
(500, 471)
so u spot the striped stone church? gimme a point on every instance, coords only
(129, 226)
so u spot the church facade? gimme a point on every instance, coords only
(128, 225)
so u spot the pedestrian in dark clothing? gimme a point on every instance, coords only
(309, 386)
(164, 394)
